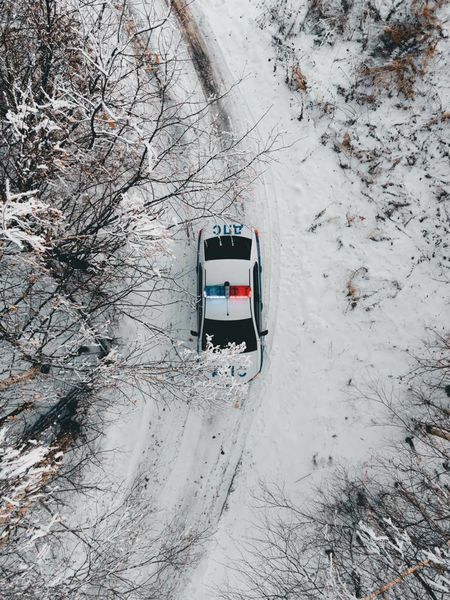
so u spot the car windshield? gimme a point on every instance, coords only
(228, 247)
(223, 332)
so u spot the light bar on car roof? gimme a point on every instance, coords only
(220, 291)
(240, 291)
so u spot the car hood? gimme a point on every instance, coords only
(249, 369)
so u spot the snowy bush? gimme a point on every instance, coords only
(383, 533)
(110, 554)
(102, 152)
(216, 373)
(27, 221)
(24, 472)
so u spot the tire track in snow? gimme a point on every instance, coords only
(201, 60)
(263, 212)
(234, 426)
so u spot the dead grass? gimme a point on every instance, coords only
(347, 143)
(354, 219)
(352, 292)
(442, 118)
(402, 52)
(298, 79)
(19, 379)
(399, 75)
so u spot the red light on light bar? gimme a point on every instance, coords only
(240, 291)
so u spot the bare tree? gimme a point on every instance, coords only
(102, 150)
(105, 154)
(384, 534)
(111, 553)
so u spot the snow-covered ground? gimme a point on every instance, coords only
(319, 349)
(200, 467)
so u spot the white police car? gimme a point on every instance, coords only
(229, 294)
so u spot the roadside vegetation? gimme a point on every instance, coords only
(371, 78)
(380, 533)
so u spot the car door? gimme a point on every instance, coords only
(257, 305)
(199, 297)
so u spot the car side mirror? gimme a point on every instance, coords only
(194, 333)
(263, 333)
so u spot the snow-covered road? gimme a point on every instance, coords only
(195, 453)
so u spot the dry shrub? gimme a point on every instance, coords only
(402, 51)
(442, 118)
(352, 292)
(329, 15)
(400, 33)
(399, 74)
(353, 219)
(298, 80)
(347, 143)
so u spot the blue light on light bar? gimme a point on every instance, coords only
(214, 291)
